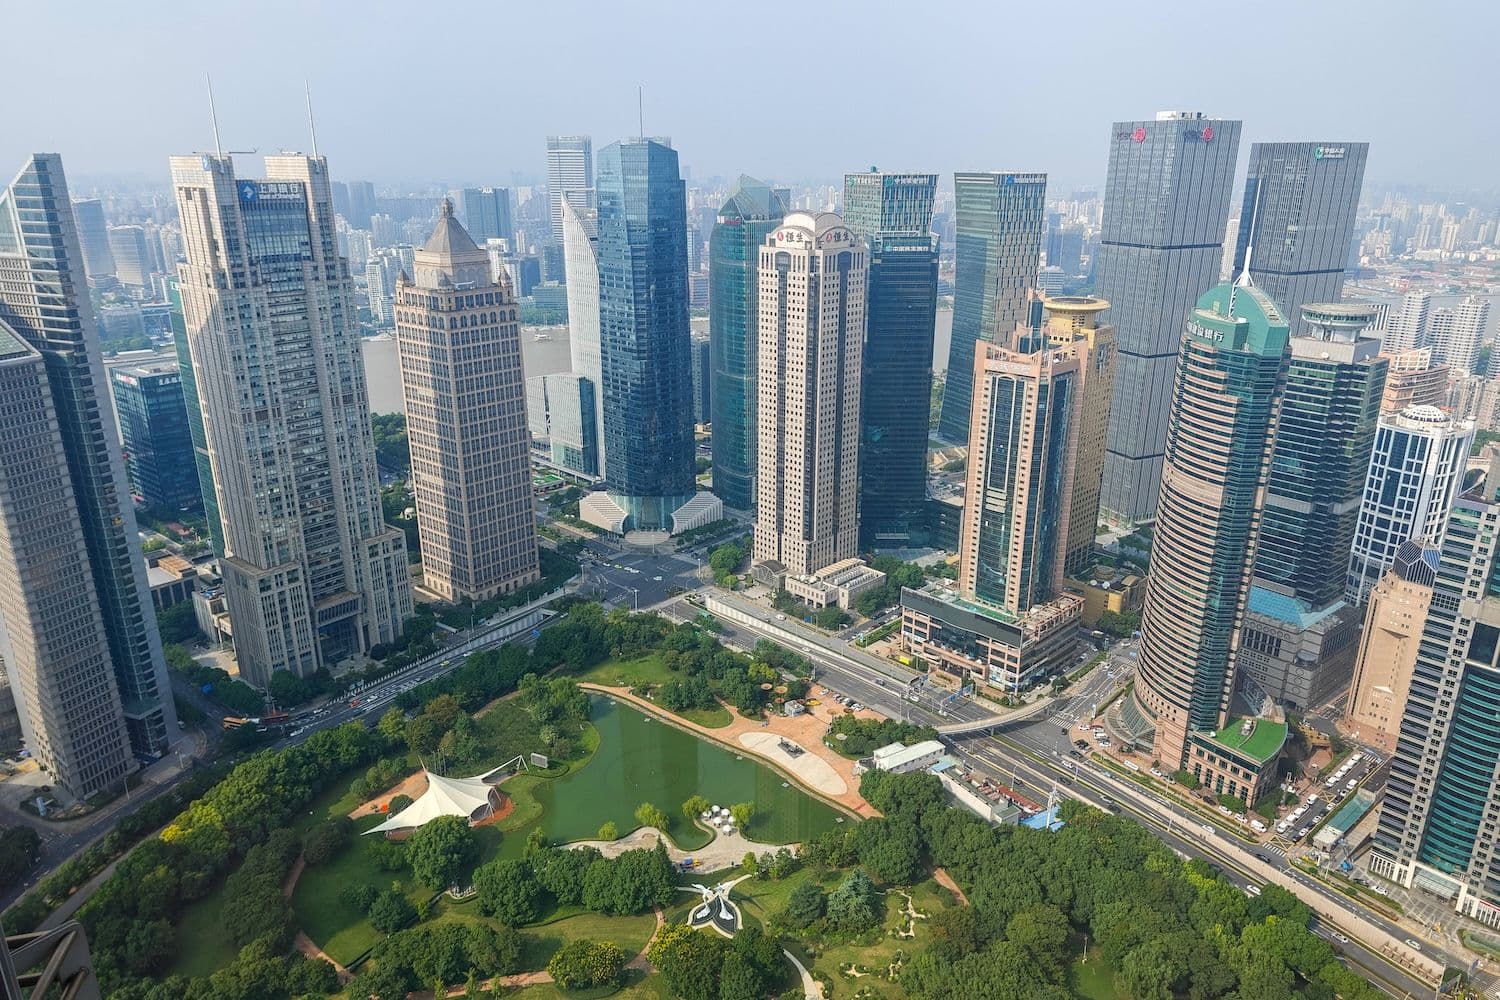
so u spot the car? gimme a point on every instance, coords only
(1381, 890)
(1302, 832)
(1075, 753)
(1252, 890)
(1081, 744)
(1414, 944)
(781, 618)
(1262, 857)
(1340, 938)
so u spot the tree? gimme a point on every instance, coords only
(390, 912)
(324, 841)
(423, 734)
(689, 961)
(890, 849)
(742, 813)
(178, 624)
(585, 964)
(1042, 933)
(854, 906)
(804, 906)
(694, 807)
(739, 979)
(392, 728)
(830, 617)
(608, 830)
(647, 814)
(441, 850)
(509, 891)
(561, 872)
(20, 846)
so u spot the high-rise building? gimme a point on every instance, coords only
(892, 214)
(381, 271)
(1388, 645)
(486, 213)
(45, 303)
(1218, 456)
(1441, 807)
(1001, 218)
(812, 324)
(644, 345)
(154, 428)
(201, 464)
(1298, 221)
(1065, 249)
(93, 237)
(570, 168)
(749, 215)
(53, 643)
(702, 378)
(1416, 471)
(460, 347)
(361, 204)
(1299, 636)
(1073, 321)
(562, 408)
(312, 573)
(1406, 327)
(127, 245)
(1458, 333)
(581, 253)
(1166, 205)
(1413, 380)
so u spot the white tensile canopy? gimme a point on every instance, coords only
(463, 797)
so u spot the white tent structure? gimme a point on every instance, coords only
(470, 798)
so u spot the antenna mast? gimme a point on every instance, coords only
(311, 127)
(213, 115)
(640, 109)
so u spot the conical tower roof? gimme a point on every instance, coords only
(450, 239)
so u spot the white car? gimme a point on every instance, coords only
(1340, 938)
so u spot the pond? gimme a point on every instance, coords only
(641, 759)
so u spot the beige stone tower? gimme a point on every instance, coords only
(460, 349)
(1388, 647)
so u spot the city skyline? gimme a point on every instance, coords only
(1413, 138)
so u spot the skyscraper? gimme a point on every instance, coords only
(749, 215)
(561, 407)
(1166, 205)
(1298, 220)
(702, 378)
(127, 245)
(93, 238)
(570, 168)
(460, 349)
(581, 254)
(312, 573)
(1218, 450)
(45, 303)
(892, 214)
(812, 323)
(1416, 471)
(643, 336)
(1458, 333)
(1406, 327)
(202, 466)
(1436, 826)
(154, 428)
(486, 213)
(52, 643)
(1388, 645)
(1001, 218)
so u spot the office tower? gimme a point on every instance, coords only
(154, 429)
(53, 643)
(702, 378)
(1388, 645)
(1073, 321)
(1299, 636)
(892, 214)
(202, 467)
(1437, 823)
(1218, 451)
(486, 213)
(340, 194)
(581, 254)
(1406, 327)
(127, 245)
(1231, 238)
(44, 300)
(1298, 221)
(10, 714)
(1458, 333)
(1065, 249)
(749, 215)
(1416, 471)
(382, 230)
(361, 204)
(997, 252)
(169, 239)
(312, 573)
(461, 378)
(1413, 380)
(1166, 205)
(561, 409)
(644, 349)
(812, 324)
(93, 238)
(381, 271)
(570, 168)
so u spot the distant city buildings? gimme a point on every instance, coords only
(1457, 334)
(132, 256)
(562, 410)
(460, 348)
(312, 573)
(1407, 327)
(93, 239)
(751, 213)
(485, 213)
(570, 171)
(1413, 379)
(1166, 205)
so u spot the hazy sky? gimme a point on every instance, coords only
(460, 91)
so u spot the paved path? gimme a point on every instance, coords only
(724, 851)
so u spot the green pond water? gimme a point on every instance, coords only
(641, 759)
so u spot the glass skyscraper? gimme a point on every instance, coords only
(1166, 207)
(892, 213)
(1297, 220)
(486, 214)
(155, 432)
(643, 332)
(998, 248)
(45, 301)
(195, 419)
(750, 214)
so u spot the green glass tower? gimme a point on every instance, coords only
(752, 211)
(892, 213)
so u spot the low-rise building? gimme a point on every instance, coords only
(839, 583)
(967, 642)
(1106, 589)
(1298, 655)
(172, 579)
(898, 758)
(1239, 759)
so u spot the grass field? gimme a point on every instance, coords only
(637, 987)
(1091, 979)
(650, 670)
(202, 946)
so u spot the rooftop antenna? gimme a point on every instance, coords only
(311, 127)
(213, 115)
(640, 109)
(1244, 280)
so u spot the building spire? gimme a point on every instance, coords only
(311, 127)
(213, 115)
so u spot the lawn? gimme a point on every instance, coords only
(649, 670)
(636, 987)
(202, 947)
(1091, 978)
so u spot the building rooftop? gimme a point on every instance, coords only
(1262, 743)
(894, 755)
(1284, 608)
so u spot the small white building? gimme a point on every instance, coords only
(898, 758)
